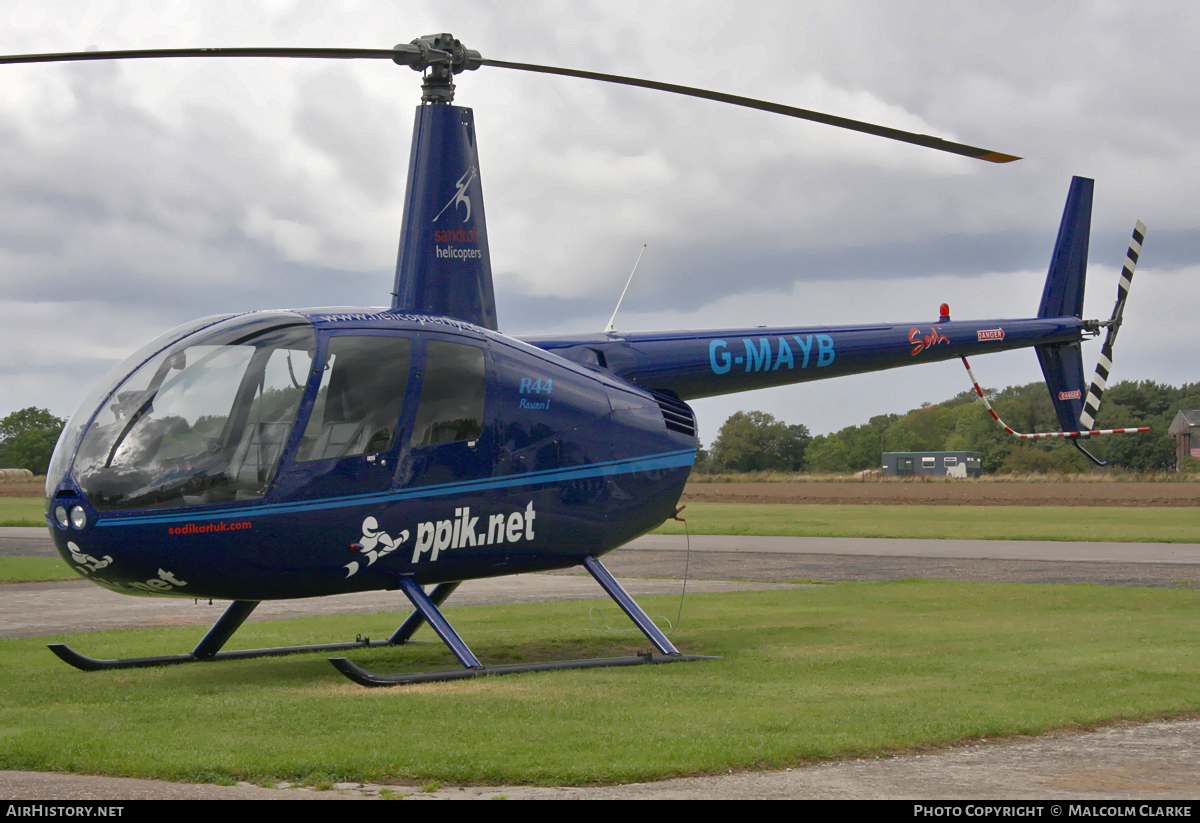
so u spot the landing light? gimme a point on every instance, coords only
(60, 515)
(78, 517)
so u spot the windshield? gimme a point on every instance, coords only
(204, 421)
(71, 433)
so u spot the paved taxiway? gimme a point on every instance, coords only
(1159, 760)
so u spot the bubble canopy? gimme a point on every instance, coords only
(204, 420)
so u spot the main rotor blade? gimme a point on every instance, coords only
(804, 114)
(414, 55)
(400, 53)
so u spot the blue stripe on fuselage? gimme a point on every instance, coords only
(653, 462)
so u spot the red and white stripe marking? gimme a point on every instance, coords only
(1015, 433)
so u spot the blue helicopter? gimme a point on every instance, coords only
(310, 452)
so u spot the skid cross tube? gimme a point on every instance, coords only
(223, 629)
(209, 648)
(427, 606)
(416, 620)
(439, 624)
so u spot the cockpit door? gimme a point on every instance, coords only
(453, 438)
(355, 418)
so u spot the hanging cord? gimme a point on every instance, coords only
(600, 621)
(687, 562)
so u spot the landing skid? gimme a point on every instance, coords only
(91, 664)
(208, 649)
(365, 678)
(426, 607)
(425, 611)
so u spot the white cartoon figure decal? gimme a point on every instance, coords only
(374, 537)
(86, 562)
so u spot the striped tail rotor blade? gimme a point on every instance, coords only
(1091, 406)
(1131, 259)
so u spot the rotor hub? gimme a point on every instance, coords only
(440, 56)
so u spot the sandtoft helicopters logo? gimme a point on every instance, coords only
(459, 235)
(460, 196)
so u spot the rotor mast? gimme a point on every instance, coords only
(444, 265)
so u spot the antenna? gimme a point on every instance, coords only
(611, 328)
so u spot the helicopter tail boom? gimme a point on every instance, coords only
(703, 364)
(692, 365)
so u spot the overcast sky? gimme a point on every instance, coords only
(140, 195)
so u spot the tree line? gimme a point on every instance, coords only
(756, 441)
(27, 439)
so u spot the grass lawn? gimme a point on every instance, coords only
(29, 569)
(829, 671)
(1178, 524)
(22, 511)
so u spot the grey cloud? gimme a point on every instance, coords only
(133, 212)
(1170, 249)
(365, 138)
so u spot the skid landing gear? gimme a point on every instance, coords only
(426, 607)
(208, 649)
(425, 611)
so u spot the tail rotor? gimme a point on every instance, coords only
(1063, 296)
(1091, 406)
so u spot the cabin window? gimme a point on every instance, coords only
(928, 462)
(949, 461)
(358, 404)
(451, 405)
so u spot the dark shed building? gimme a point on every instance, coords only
(932, 464)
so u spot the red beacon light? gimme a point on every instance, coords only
(944, 313)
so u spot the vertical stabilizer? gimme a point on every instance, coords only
(444, 266)
(1063, 294)
(1062, 364)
